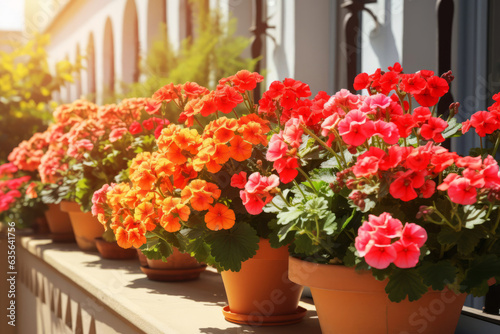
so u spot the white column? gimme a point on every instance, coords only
(174, 21)
(243, 11)
(280, 52)
(314, 61)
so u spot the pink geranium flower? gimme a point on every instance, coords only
(462, 192)
(407, 255)
(381, 256)
(413, 233)
(355, 128)
(117, 134)
(277, 148)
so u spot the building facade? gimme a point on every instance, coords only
(304, 39)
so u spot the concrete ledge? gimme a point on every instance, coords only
(84, 293)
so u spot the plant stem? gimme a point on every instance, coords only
(237, 117)
(494, 229)
(496, 147)
(308, 179)
(322, 143)
(284, 198)
(277, 207)
(298, 186)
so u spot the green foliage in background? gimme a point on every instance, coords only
(26, 87)
(212, 52)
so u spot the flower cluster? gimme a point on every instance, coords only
(10, 185)
(485, 122)
(346, 159)
(376, 242)
(183, 186)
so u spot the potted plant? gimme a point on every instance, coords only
(16, 196)
(184, 195)
(110, 159)
(390, 223)
(99, 149)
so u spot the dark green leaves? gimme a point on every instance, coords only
(438, 275)
(231, 247)
(480, 271)
(466, 240)
(405, 283)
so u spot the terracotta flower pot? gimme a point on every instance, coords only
(142, 258)
(111, 250)
(85, 226)
(59, 224)
(178, 267)
(260, 293)
(351, 302)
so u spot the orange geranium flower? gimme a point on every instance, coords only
(174, 154)
(143, 179)
(183, 174)
(170, 223)
(223, 129)
(114, 195)
(213, 189)
(221, 154)
(188, 139)
(131, 234)
(164, 167)
(213, 167)
(182, 211)
(122, 238)
(206, 105)
(138, 160)
(240, 150)
(198, 195)
(219, 217)
(143, 211)
(169, 203)
(252, 132)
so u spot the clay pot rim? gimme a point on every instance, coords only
(332, 277)
(70, 206)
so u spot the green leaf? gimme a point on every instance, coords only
(480, 271)
(466, 239)
(452, 129)
(330, 163)
(278, 203)
(231, 247)
(350, 259)
(474, 216)
(284, 232)
(405, 283)
(330, 225)
(275, 236)
(199, 249)
(348, 219)
(304, 244)
(289, 214)
(438, 275)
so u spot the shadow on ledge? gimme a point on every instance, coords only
(207, 289)
(132, 266)
(309, 325)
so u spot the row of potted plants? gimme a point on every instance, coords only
(352, 195)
